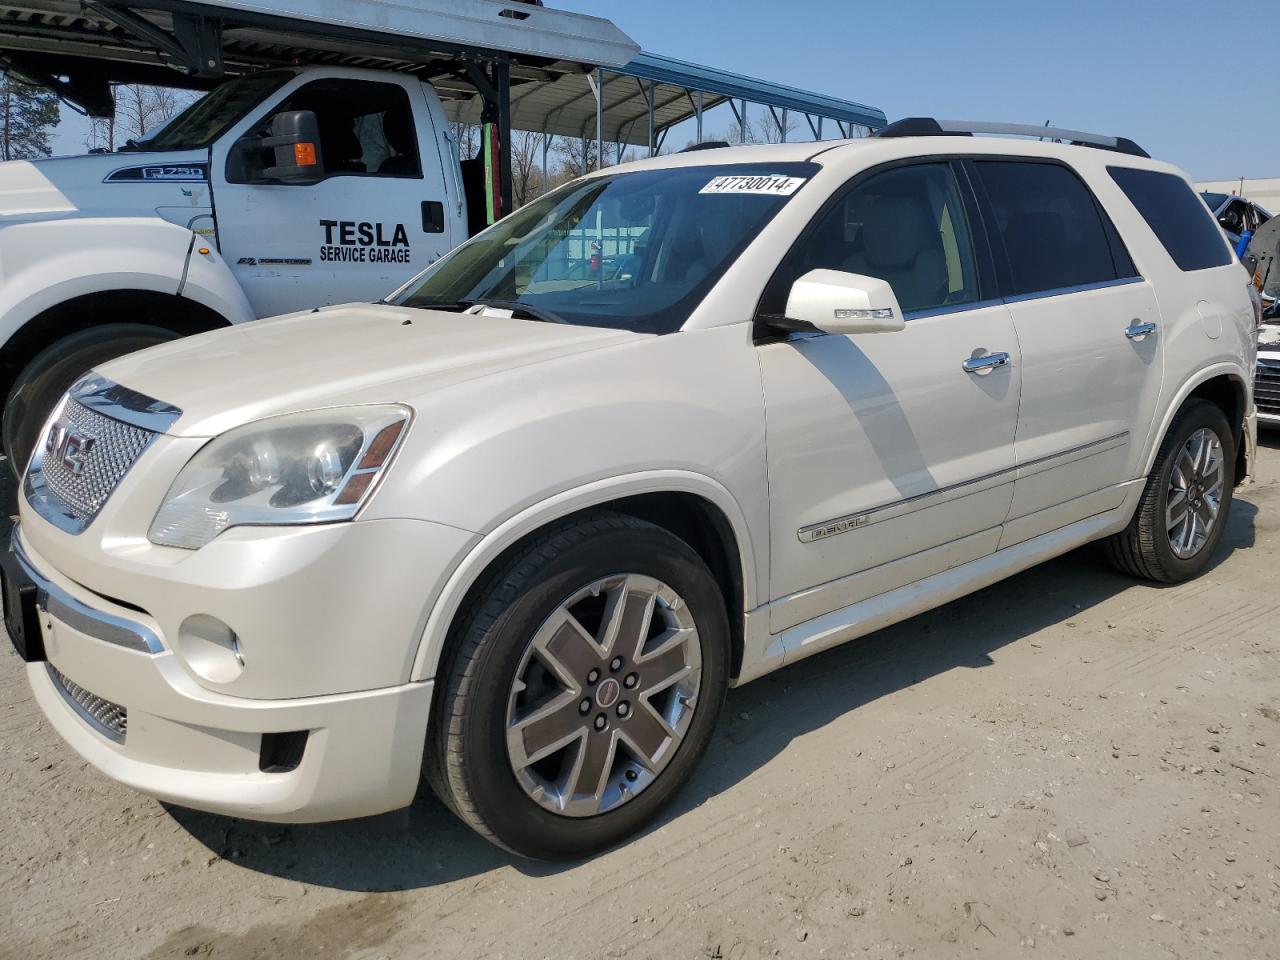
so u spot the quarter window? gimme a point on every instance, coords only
(1182, 223)
(1053, 233)
(906, 226)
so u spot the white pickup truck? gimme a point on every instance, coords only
(286, 188)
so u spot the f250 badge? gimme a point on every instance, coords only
(69, 446)
(356, 241)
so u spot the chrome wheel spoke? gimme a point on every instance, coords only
(546, 730)
(1176, 512)
(648, 736)
(570, 650)
(590, 769)
(668, 662)
(627, 618)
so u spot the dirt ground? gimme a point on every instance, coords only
(1066, 764)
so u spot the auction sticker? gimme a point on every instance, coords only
(767, 185)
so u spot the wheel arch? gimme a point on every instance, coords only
(180, 315)
(695, 508)
(1227, 386)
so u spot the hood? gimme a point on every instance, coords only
(338, 356)
(173, 185)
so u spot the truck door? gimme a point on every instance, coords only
(379, 215)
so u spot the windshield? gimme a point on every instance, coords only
(209, 117)
(1214, 200)
(633, 251)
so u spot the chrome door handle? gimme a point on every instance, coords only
(982, 366)
(1138, 332)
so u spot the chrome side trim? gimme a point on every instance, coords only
(832, 528)
(1064, 291)
(61, 605)
(950, 308)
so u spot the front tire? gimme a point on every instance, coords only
(587, 681)
(1183, 511)
(43, 381)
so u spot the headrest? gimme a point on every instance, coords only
(893, 229)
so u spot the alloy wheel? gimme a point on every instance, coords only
(1194, 497)
(604, 695)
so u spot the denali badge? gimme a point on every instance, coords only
(69, 445)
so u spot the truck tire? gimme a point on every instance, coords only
(46, 378)
(1184, 505)
(587, 681)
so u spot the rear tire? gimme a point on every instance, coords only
(522, 771)
(1195, 472)
(44, 380)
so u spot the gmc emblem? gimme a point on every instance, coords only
(69, 445)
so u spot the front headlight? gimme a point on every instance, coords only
(311, 467)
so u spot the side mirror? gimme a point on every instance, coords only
(844, 303)
(294, 145)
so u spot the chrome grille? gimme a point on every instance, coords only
(109, 719)
(99, 432)
(115, 447)
(1266, 387)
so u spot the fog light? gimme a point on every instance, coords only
(211, 648)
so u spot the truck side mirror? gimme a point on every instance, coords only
(295, 141)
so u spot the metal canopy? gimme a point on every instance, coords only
(256, 33)
(566, 105)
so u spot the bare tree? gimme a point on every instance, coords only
(526, 169)
(467, 137)
(138, 109)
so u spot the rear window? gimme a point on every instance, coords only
(1180, 221)
(1053, 233)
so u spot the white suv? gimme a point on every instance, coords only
(665, 430)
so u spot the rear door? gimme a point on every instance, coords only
(890, 455)
(1088, 328)
(378, 217)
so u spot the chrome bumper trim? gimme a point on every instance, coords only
(61, 605)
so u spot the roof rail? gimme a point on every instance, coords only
(929, 127)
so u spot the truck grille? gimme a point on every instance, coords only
(84, 485)
(99, 433)
(109, 719)
(1266, 387)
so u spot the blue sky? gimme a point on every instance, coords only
(1152, 71)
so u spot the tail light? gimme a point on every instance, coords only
(1256, 299)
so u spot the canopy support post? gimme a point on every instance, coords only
(648, 96)
(698, 109)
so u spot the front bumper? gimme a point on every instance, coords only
(185, 742)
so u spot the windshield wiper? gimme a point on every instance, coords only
(516, 307)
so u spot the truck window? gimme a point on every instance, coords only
(366, 128)
(208, 118)
(1053, 232)
(1182, 224)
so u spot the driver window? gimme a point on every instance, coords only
(906, 226)
(366, 128)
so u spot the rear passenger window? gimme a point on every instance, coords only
(1181, 222)
(1054, 234)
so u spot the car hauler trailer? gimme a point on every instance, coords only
(319, 168)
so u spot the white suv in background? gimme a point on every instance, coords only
(521, 525)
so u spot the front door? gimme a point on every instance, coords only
(890, 455)
(1088, 325)
(377, 218)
